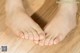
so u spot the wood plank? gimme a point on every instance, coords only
(42, 11)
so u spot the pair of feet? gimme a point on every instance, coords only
(54, 32)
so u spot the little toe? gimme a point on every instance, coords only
(17, 32)
(21, 34)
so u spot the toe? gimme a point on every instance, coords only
(42, 36)
(26, 35)
(30, 34)
(36, 42)
(18, 32)
(35, 34)
(47, 41)
(48, 38)
(40, 32)
(42, 42)
(51, 42)
(58, 39)
(21, 34)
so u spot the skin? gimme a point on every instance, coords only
(63, 22)
(20, 23)
(54, 32)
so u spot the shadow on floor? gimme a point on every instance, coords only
(39, 20)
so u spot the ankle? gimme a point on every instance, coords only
(70, 9)
(68, 5)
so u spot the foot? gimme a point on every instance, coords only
(22, 25)
(60, 26)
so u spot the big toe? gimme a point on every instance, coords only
(42, 36)
(51, 42)
(48, 41)
(31, 37)
(40, 32)
(58, 39)
(28, 34)
(34, 35)
(42, 42)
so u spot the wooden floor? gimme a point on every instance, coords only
(41, 11)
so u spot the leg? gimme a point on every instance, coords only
(63, 22)
(20, 23)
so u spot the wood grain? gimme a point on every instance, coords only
(42, 11)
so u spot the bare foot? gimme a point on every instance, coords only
(21, 24)
(63, 22)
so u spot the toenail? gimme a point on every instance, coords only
(55, 42)
(36, 42)
(26, 37)
(31, 38)
(41, 37)
(36, 38)
(23, 37)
